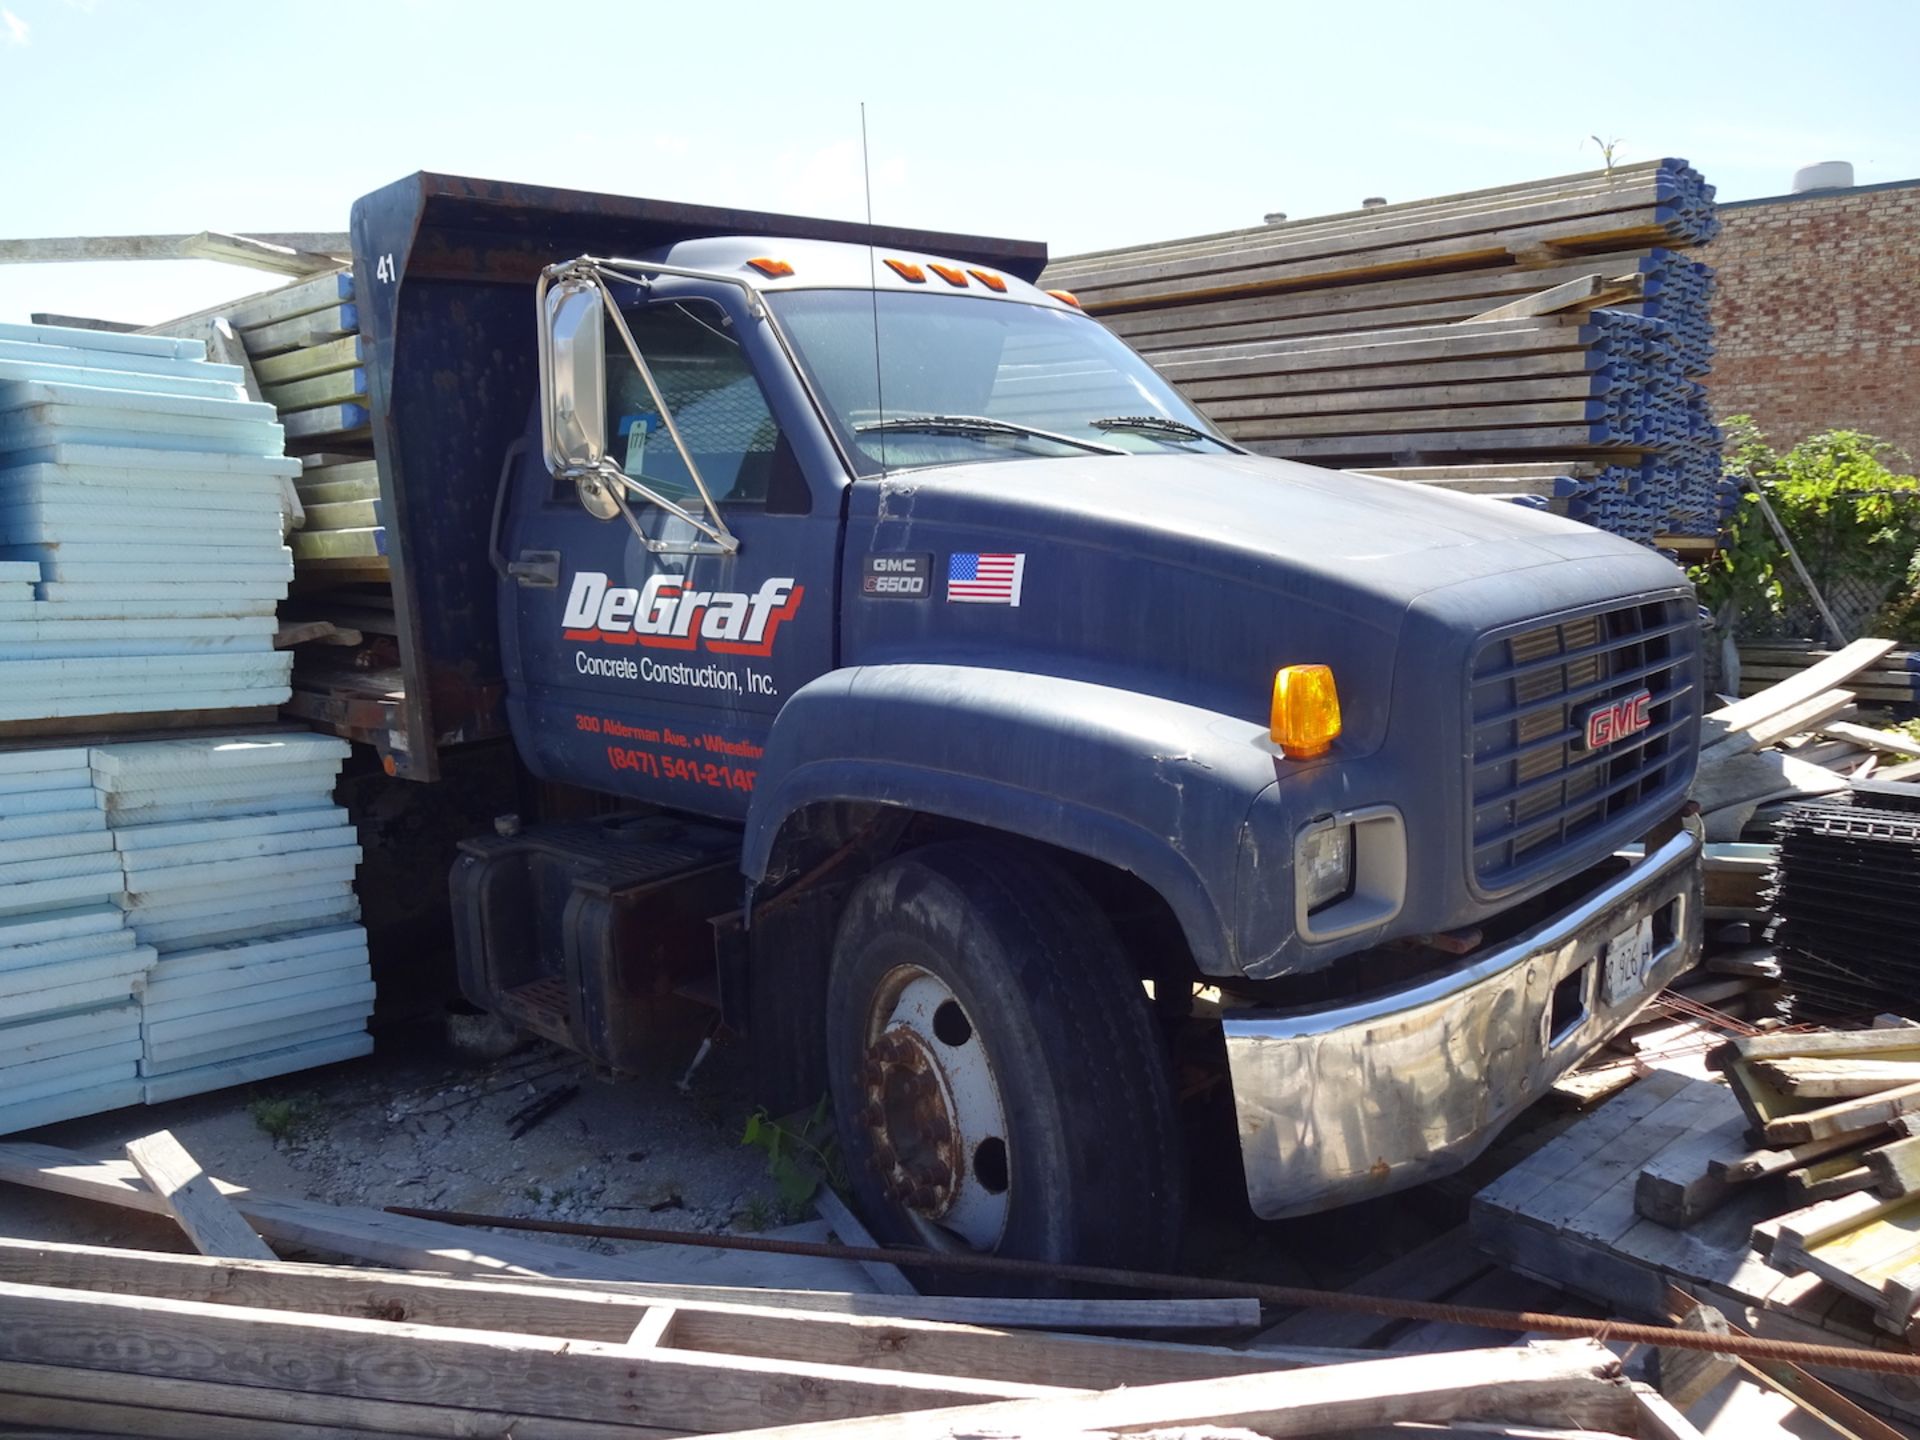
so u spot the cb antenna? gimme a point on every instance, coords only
(873, 288)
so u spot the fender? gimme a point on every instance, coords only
(1152, 786)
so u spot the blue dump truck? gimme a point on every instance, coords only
(886, 656)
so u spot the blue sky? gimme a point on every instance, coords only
(1084, 124)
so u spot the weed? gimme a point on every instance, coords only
(282, 1117)
(802, 1150)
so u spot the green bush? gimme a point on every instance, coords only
(1853, 517)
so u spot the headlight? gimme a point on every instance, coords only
(1324, 858)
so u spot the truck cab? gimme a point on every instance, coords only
(989, 738)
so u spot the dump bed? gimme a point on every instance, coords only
(444, 269)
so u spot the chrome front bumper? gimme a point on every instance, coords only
(1346, 1104)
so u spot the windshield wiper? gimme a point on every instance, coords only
(1154, 425)
(980, 425)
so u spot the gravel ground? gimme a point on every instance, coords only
(420, 1123)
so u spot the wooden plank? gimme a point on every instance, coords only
(1844, 1115)
(314, 328)
(1568, 1380)
(1759, 1164)
(191, 1409)
(1409, 401)
(1809, 714)
(420, 1244)
(1656, 1418)
(1833, 671)
(1360, 447)
(1836, 1077)
(214, 1226)
(1888, 741)
(1896, 1167)
(1586, 292)
(1897, 1043)
(1428, 1272)
(1827, 1179)
(327, 389)
(383, 1360)
(303, 364)
(1679, 1186)
(887, 1279)
(344, 515)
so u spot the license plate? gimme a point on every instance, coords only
(1629, 957)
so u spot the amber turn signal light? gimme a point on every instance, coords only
(1306, 711)
(1066, 297)
(907, 270)
(772, 269)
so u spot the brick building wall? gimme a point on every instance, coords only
(1817, 313)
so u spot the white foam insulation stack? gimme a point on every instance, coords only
(70, 963)
(238, 872)
(141, 556)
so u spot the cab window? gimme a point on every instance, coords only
(716, 403)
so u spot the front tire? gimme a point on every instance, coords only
(997, 1080)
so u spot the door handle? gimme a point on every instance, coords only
(536, 569)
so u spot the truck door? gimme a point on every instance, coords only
(656, 671)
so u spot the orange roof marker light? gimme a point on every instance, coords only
(906, 270)
(772, 269)
(992, 281)
(1306, 711)
(1066, 297)
(953, 275)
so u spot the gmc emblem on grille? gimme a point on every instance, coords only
(1618, 719)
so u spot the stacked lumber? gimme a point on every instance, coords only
(304, 344)
(1846, 901)
(239, 876)
(1893, 680)
(236, 1343)
(69, 962)
(344, 535)
(1554, 324)
(1797, 739)
(140, 549)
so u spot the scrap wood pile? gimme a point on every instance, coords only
(1893, 680)
(1552, 328)
(234, 1342)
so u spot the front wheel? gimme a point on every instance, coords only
(996, 1076)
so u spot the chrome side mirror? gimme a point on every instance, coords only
(573, 376)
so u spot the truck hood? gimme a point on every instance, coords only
(1195, 577)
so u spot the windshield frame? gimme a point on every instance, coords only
(847, 437)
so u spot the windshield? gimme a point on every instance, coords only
(967, 379)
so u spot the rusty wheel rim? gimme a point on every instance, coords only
(933, 1111)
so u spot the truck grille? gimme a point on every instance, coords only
(1536, 787)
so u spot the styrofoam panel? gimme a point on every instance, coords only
(60, 822)
(172, 881)
(18, 394)
(122, 763)
(97, 513)
(101, 1072)
(29, 782)
(34, 895)
(72, 1104)
(59, 1072)
(147, 839)
(35, 427)
(213, 591)
(262, 1039)
(14, 593)
(254, 900)
(75, 486)
(183, 466)
(250, 847)
(177, 609)
(82, 363)
(257, 697)
(33, 958)
(57, 646)
(255, 541)
(59, 866)
(36, 694)
(319, 940)
(52, 1031)
(138, 560)
(55, 671)
(53, 847)
(65, 997)
(55, 1056)
(243, 1072)
(333, 995)
(259, 630)
(60, 925)
(105, 342)
(53, 757)
(270, 980)
(261, 795)
(20, 571)
(130, 571)
(182, 936)
(126, 965)
(51, 802)
(51, 369)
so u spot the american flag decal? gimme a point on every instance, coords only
(985, 579)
